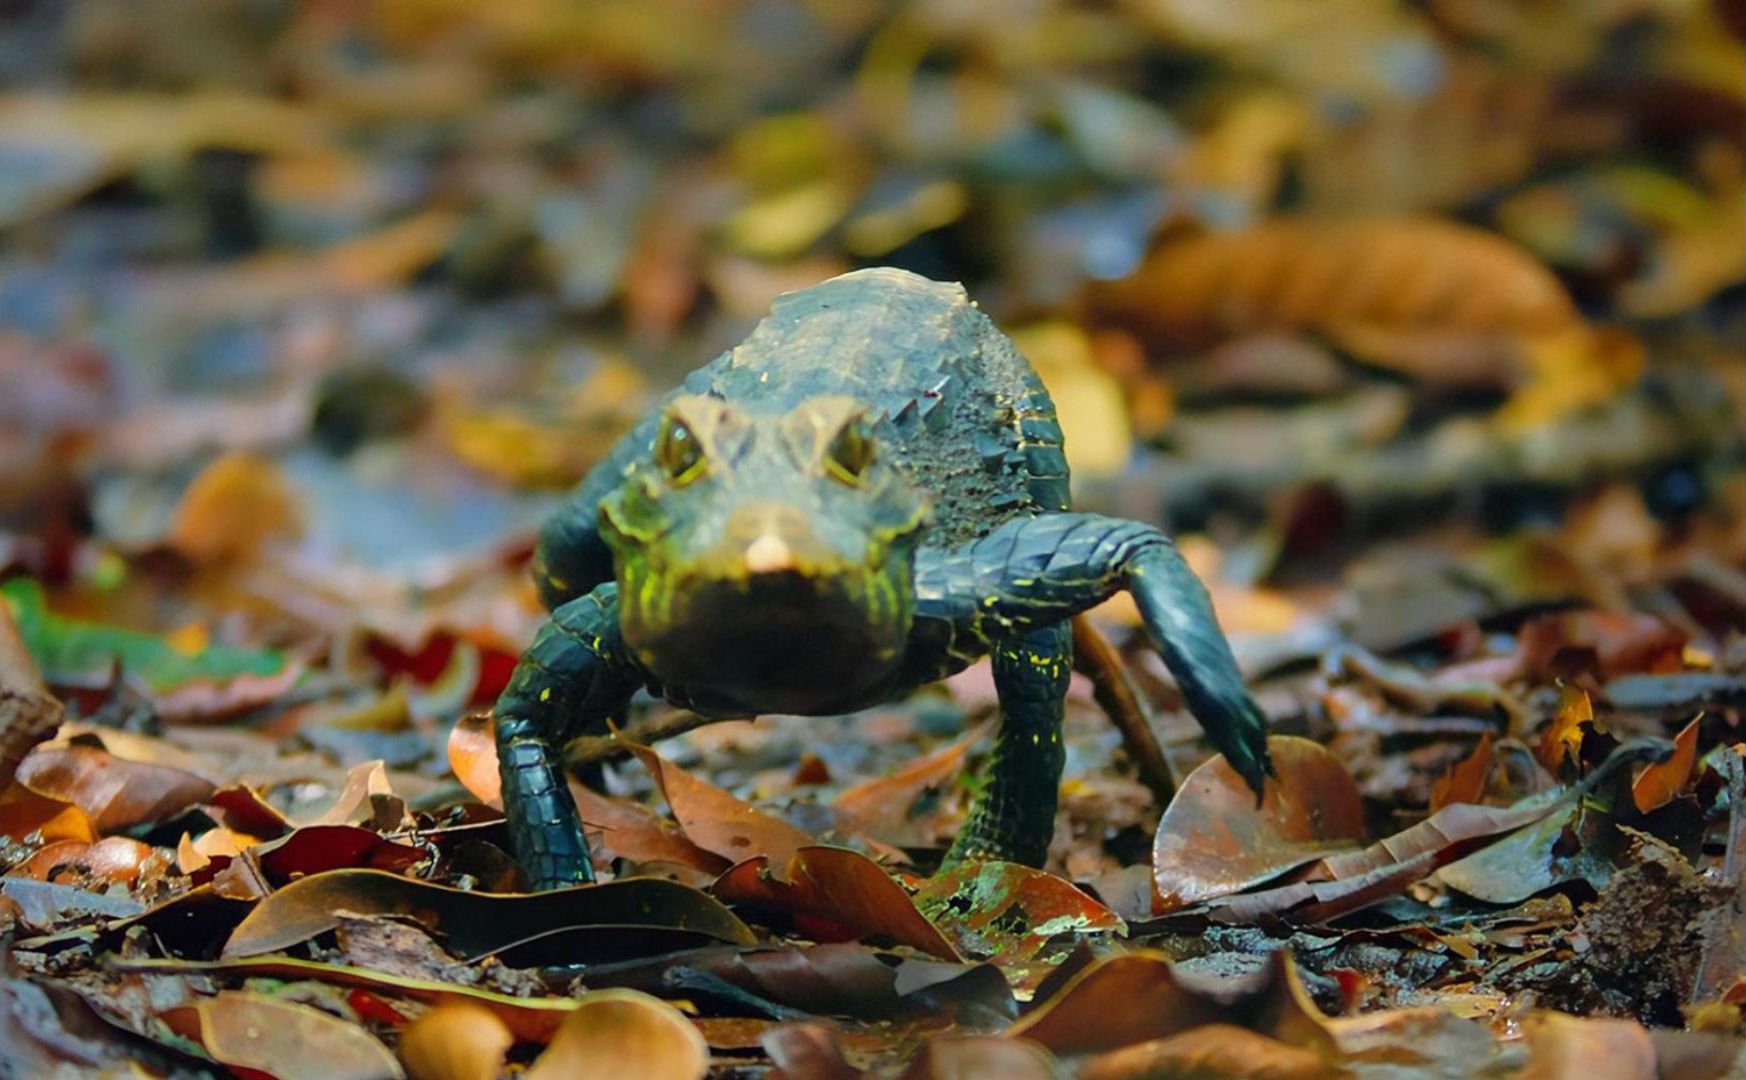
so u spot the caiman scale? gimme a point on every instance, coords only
(866, 495)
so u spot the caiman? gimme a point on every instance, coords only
(866, 495)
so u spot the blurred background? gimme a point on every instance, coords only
(1405, 315)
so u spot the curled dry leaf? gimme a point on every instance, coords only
(1568, 1046)
(841, 894)
(115, 793)
(262, 1037)
(632, 831)
(458, 1041)
(1213, 839)
(475, 924)
(623, 1033)
(1657, 785)
(719, 822)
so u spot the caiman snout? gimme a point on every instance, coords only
(770, 538)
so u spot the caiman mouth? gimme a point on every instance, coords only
(771, 642)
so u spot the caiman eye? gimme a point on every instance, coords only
(850, 453)
(677, 451)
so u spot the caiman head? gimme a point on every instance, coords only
(765, 559)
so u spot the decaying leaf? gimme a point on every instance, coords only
(261, 1036)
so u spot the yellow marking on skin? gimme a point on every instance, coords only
(768, 554)
(546, 694)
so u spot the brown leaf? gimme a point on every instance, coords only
(115, 793)
(1137, 996)
(1657, 785)
(884, 807)
(112, 859)
(1212, 1052)
(1464, 782)
(623, 1033)
(313, 849)
(476, 924)
(806, 1051)
(265, 1037)
(633, 831)
(719, 822)
(843, 894)
(1611, 643)
(1214, 840)
(1398, 274)
(458, 1041)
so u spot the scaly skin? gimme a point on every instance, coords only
(865, 496)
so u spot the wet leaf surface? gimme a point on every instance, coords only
(1214, 840)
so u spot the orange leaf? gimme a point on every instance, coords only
(261, 1037)
(23, 811)
(1465, 780)
(884, 806)
(1659, 783)
(1214, 840)
(459, 1040)
(234, 506)
(1561, 739)
(718, 821)
(621, 1032)
(843, 889)
(473, 757)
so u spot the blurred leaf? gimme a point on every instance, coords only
(1395, 274)
(1214, 840)
(1464, 782)
(234, 506)
(113, 792)
(472, 752)
(1211, 1052)
(842, 894)
(632, 831)
(23, 811)
(1661, 782)
(256, 1036)
(1569, 1046)
(457, 1041)
(624, 1033)
(960, 1057)
(77, 652)
(1094, 419)
(475, 924)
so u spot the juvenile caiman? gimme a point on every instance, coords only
(866, 495)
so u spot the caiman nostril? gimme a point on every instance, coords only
(769, 554)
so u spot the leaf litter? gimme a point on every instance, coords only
(1417, 323)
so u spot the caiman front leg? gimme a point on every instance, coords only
(1014, 815)
(574, 676)
(1032, 574)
